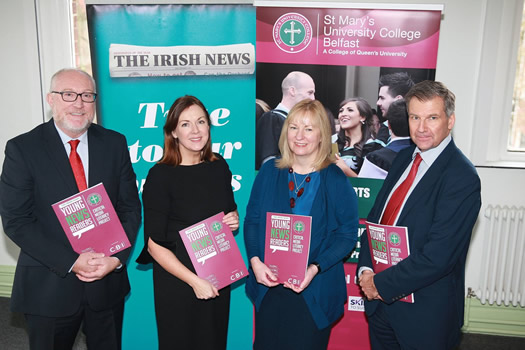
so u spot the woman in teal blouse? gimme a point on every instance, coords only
(306, 182)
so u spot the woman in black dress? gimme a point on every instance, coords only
(189, 184)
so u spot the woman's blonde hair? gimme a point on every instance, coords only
(315, 111)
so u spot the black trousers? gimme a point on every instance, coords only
(103, 329)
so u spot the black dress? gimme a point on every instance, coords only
(175, 198)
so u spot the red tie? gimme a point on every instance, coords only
(397, 198)
(76, 165)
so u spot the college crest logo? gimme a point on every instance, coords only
(298, 227)
(292, 32)
(395, 240)
(94, 199)
(216, 226)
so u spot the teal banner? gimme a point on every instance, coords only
(354, 255)
(366, 190)
(144, 57)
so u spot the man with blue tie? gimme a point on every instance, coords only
(56, 288)
(434, 191)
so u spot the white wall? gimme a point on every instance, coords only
(27, 66)
(20, 91)
(498, 187)
(473, 61)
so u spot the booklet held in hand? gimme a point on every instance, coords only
(91, 223)
(388, 246)
(214, 252)
(287, 246)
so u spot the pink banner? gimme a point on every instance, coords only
(348, 37)
(351, 331)
(306, 39)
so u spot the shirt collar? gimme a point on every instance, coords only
(431, 155)
(282, 108)
(398, 138)
(65, 139)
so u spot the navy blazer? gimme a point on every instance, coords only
(384, 157)
(267, 132)
(36, 174)
(334, 234)
(440, 214)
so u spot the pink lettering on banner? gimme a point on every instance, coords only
(348, 37)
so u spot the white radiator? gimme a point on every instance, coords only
(502, 278)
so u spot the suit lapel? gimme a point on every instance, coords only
(58, 155)
(394, 174)
(429, 180)
(96, 147)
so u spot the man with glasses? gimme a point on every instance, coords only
(55, 288)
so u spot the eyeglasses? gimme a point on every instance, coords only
(70, 96)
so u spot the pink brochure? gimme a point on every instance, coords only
(388, 246)
(91, 223)
(287, 246)
(214, 252)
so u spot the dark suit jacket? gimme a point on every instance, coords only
(440, 214)
(36, 174)
(267, 134)
(384, 157)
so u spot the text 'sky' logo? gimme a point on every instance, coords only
(292, 32)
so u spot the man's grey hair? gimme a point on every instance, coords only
(428, 89)
(66, 70)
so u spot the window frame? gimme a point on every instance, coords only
(54, 27)
(496, 78)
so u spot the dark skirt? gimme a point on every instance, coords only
(185, 322)
(284, 322)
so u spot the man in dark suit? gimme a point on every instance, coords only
(377, 164)
(296, 86)
(439, 210)
(56, 288)
(392, 87)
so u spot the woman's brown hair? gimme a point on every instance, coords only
(172, 155)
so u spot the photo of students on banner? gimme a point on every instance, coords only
(361, 61)
(357, 99)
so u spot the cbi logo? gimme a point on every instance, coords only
(292, 32)
(117, 246)
(236, 275)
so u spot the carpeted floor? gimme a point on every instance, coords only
(13, 335)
